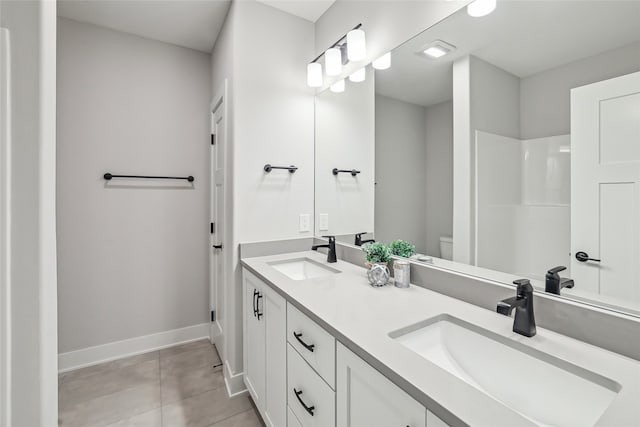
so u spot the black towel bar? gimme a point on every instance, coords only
(353, 172)
(108, 176)
(268, 168)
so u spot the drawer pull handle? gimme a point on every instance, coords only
(309, 409)
(309, 347)
(258, 313)
(255, 310)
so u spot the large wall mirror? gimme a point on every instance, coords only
(504, 146)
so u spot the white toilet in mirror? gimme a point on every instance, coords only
(446, 247)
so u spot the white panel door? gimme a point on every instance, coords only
(605, 188)
(365, 398)
(217, 208)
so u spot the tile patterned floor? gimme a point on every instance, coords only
(174, 387)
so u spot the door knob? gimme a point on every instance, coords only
(217, 246)
(584, 257)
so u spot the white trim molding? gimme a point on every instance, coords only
(130, 347)
(5, 229)
(234, 382)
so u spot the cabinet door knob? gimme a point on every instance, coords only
(309, 347)
(309, 409)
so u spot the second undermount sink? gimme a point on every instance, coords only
(302, 268)
(546, 390)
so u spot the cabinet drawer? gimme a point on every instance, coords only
(314, 344)
(292, 421)
(310, 399)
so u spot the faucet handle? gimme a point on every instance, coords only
(523, 286)
(557, 269)
(331, 238)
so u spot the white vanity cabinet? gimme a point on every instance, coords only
(365, 398)
(265, 347)
(299, 375)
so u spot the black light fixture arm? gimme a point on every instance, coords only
(268, 168)
(353, 172)
(335, 44)
(108, 176)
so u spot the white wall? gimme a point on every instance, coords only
(133, 255)
(387, 23)
(486, 98)
(439, 175)
(271, 122)
(32, 366)
(544, 97)
(400, 152)
(345, 139)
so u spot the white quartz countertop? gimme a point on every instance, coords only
(361, 317)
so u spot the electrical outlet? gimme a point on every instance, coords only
(304, 225)
(324, 222)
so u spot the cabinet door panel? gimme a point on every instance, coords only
(365, 398)
(292, 421)
(275, 318)
(254, 342)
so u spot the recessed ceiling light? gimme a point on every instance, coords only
(480, 8)
(437, 49)
(435, 52)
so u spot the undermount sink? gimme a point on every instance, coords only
(546, 390)
(302, 268)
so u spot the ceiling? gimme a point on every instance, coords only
(189, 23)
(310, 10)
(523, 38)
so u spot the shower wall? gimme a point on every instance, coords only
(522, 207)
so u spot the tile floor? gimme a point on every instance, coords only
(174, 387)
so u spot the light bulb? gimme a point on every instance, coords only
(314, 74)
(356, 45)
(333, 61)
(338, 86)
(383, 62)
(480, 8)
(358, 75)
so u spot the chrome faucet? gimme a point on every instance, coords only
(359, 241)
(331, 255)
(554, 283)
(524, 322)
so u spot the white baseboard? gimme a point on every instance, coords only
(234, 382)
(130, 347)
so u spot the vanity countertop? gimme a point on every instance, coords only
(361, 317)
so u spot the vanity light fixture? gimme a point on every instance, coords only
(314, 74)
(358, 76)
(356, 45)
(438, 49)
(333, 61)
(338, 86)
(383, 62)
(350, 47)
(479, 8)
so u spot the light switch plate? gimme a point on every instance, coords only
(324, 222)
(304, 225)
